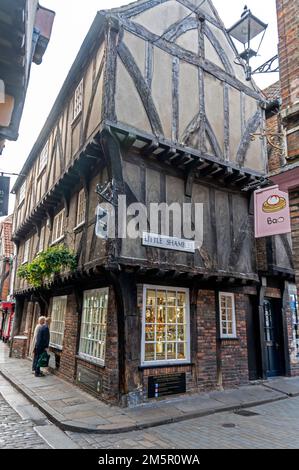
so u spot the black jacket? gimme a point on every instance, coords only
(43, 338)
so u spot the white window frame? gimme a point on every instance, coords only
(26, 251)
(234, 325)
(188, 327)
(98, 360)
(41, 243)
(22, 193)
(43, 159)
(78, 100)
(63, 303)
(81, 208)
(58, 232)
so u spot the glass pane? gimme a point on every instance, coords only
(181, 299)
(151, 298)
(150, 315)
(182, 351)
(161, 351)
(161, 334)
(181, 315)
(149, 352)
(171, 298)
(161, 315)
(182, 333)
(161, 297)
(171, 315)
(171, 333)
(171, 351)
(150, 333)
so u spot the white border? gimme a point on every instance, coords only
(87, 357)
(188, 327)
(234, 335)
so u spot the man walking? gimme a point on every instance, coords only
(42, 344)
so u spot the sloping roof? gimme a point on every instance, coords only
(6, 234)
(272, 92)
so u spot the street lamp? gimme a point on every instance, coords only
(244, 31)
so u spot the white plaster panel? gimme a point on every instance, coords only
(96, 110)
(215, 106)
(162, 89)
(129, 107)
(251, 107)
(211, 54)
(136, 46)
(235, 125)
(188, 95)
(255, 155)
(189, 41)
(159, 18)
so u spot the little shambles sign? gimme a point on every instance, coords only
(271, 212)
(168, 243)
(4, 195)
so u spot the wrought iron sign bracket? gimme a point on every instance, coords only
(275, 140)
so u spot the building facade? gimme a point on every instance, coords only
(6, 263)
(154, 109)
(25, 30)
(284, 164)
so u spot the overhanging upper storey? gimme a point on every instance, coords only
(25, 30)
(173, 74)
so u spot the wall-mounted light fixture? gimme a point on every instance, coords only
(245, 31)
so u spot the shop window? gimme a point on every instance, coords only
(43, 159)
(58, 227)
(78, 100)
(165, 326)
(58, 321)
(227, 315)
(81, 208)
(295, 317)
(94, 325)
(26, 251)
(41, 242)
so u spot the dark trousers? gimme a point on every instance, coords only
(37, 356)
(34, 361)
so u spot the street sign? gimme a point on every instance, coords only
(271, 212)
(102, 223)
(4, 195)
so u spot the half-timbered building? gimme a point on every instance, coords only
(157, 105)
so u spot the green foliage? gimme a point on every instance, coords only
(46, 264)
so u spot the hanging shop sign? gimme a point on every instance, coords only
(168, 243)
(4, 195)
(271, 212)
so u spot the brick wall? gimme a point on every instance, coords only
(206, 340)
(19, 347)
(288, 23)
(234, 358)
(109, 374)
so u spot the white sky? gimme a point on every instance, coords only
(72, 23)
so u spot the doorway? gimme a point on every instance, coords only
(273, 335)
(253, 341)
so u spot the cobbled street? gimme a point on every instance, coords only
(15, 432)
(275, 425)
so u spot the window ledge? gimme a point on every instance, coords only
(163, 366)
(79, 227)
(94, 362)
(58, 241)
